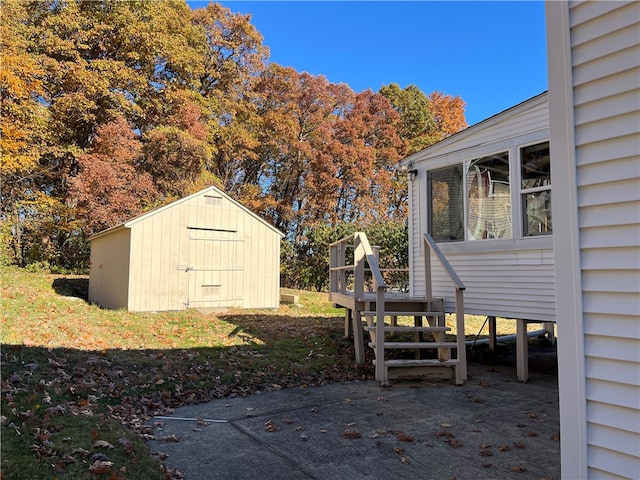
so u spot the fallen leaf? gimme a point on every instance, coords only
(487, 465)
(403, 437)
(57, 410)
(171, 439)
(405, 460)
(446, 425)
(398, 450)
(269, 426)
(99, 456)
(100, 467)
(102, 444)
(81, 451)
(486, 453)
(519, 445)
(351, 433)
(518, 469)
(503, 448)
(532, 434)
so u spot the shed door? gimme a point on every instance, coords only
(216, 268)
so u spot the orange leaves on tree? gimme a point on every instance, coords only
(108, 189)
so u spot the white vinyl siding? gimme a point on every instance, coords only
(511, 284)
(610, 246)
(599, 95)
(507, 277)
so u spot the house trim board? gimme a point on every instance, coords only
(571, 353)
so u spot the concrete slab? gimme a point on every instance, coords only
(491, 427)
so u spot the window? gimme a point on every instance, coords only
(474, 200)
(535, 189)
(211, 200)
(488, 197)
(446, 204)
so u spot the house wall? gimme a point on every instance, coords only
(594, 72)
(109, 269)
(511, 278)
(205, 251)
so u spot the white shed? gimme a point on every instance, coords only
(484, 195)
(594, 91)
(202, 251)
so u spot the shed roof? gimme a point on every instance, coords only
(144, 216)
(473, 129)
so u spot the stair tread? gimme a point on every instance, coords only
(400, 299)
(368, 313)
(389, 328)
(419, 362)
(416, 344)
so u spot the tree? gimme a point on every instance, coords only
(448, 113)
(350, 179)
(70, 68)
(108, 189)
(417, 126)
(176, 153)
(425, 119)
(233, 59)
(22, 127)
(296, 110)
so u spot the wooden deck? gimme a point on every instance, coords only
(369, 299)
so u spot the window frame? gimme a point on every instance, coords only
(522, 192)
(462, 157)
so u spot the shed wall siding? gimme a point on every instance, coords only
(204, 252)
(109, 270)
(603, 97)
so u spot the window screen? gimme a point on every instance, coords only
(535, 189)
(447, 204)
(488, 197)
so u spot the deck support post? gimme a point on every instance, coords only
(551, 332)
(492, 334)
(348, 328)
(461, 368)
(358, 335)
(382, 372)
(522, 350)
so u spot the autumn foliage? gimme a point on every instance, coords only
(112, 108)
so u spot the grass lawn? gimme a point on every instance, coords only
(78, 382)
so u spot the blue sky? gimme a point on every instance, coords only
(492, 54)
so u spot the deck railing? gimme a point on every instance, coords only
(365, 259)
(432, 246)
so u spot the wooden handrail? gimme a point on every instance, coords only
(361, 240)
(444, 262)
(364, 251)
(460, 288)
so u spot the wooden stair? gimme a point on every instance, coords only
(428, 339)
